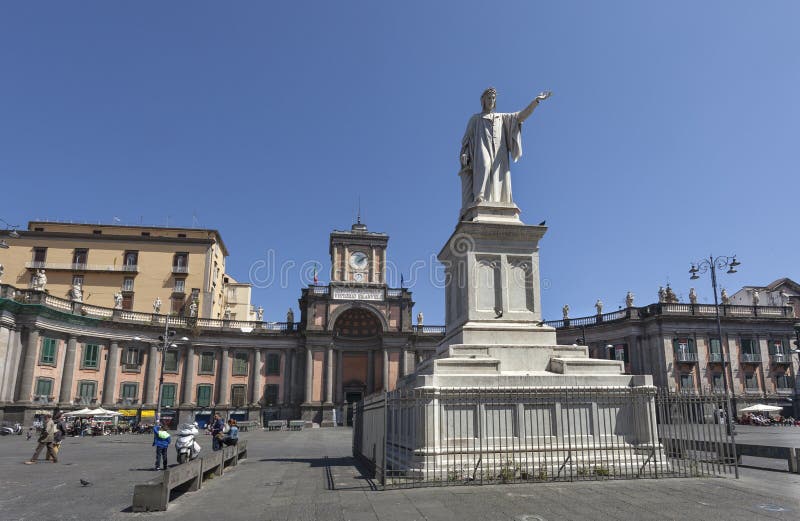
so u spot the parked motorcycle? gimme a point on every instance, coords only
(185, 444)
(5, 430)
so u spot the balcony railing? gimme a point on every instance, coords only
(28, 296)
(781, 358)
(431, 330)
(751, 358)
(681, 309)
(715, 357)
(180, 269)
(686, 357)
(72, 266)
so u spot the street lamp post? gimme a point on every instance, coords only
(162, 346)
(713, 264)
(796, 396)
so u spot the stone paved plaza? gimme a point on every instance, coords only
(309, 475)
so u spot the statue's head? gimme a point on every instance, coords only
(489, 99)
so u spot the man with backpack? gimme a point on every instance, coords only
(161, 440)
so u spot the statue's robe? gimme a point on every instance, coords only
(489, 141)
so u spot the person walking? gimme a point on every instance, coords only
(45, 440)
(61, 431)
(161, 440)
(217, 427)
(232, 438)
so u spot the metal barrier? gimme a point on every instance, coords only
(459, 436)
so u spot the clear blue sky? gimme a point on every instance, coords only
(672, 132)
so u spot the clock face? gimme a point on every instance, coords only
(358, 260)
(359, 277)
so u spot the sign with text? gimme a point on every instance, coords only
(357, 293)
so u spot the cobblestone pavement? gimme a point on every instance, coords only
(309, 475)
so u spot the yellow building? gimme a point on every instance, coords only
(132, 267)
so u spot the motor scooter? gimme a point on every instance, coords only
(185, 444)
(5, 430)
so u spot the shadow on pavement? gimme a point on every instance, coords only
(363, 473)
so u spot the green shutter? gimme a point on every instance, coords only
(48, 354)
(90, 352)
(168, 395)
(691, 346)
(204, 395)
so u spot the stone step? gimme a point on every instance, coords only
(466, 366)
(590, 366)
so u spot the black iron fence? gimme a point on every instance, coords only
(458, 436)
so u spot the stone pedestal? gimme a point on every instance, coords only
(493, 289)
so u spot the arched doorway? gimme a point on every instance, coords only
(357, 337)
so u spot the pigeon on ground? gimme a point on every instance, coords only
(85, 483)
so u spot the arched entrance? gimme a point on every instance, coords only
(357, 337)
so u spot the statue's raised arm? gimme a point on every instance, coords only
(527, 111)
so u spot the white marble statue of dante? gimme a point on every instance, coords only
(491, 137)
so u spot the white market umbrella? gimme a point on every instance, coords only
(83, 412)
(103, 412)
(760, 407)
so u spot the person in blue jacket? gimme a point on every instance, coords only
(161, 440)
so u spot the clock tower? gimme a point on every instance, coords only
(358, 256)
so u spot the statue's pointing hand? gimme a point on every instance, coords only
(544, 95)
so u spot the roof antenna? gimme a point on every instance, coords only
(359, 209)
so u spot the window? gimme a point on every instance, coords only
(238, 393)
(619, 353)
(79, 257)
(127, 284)
(182, 235)
(48, 354)
(77, 280)
(97, 232)
(240, 362)
(714, 346)
(180, 263)
(87, 389)
(204, 395)
(171, 361)
(273, 364)
(40, 255)
(131, 259)
(130, 392)
(180, 286)
(207, 362)
(784, 382)
(749, 346)
(127, 302)
(750, 382)
(145, 234)
(90, 355)
(777, 347)
(168, 395)
(684, 349)
(687, 382)
(44, 386)
(131, 360)
(271, 394)
(716, 382)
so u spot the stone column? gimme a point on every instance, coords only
(339, 377)
(329, 376)
(25, 390)
(255, 377)
(189, 370)
(294, 378)
(285, 398)
(150, 396)
(309, 374)
(223, 391)
(403, 361)
(370, 371)
(385, 370)
(68, 373)
(110, 380)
